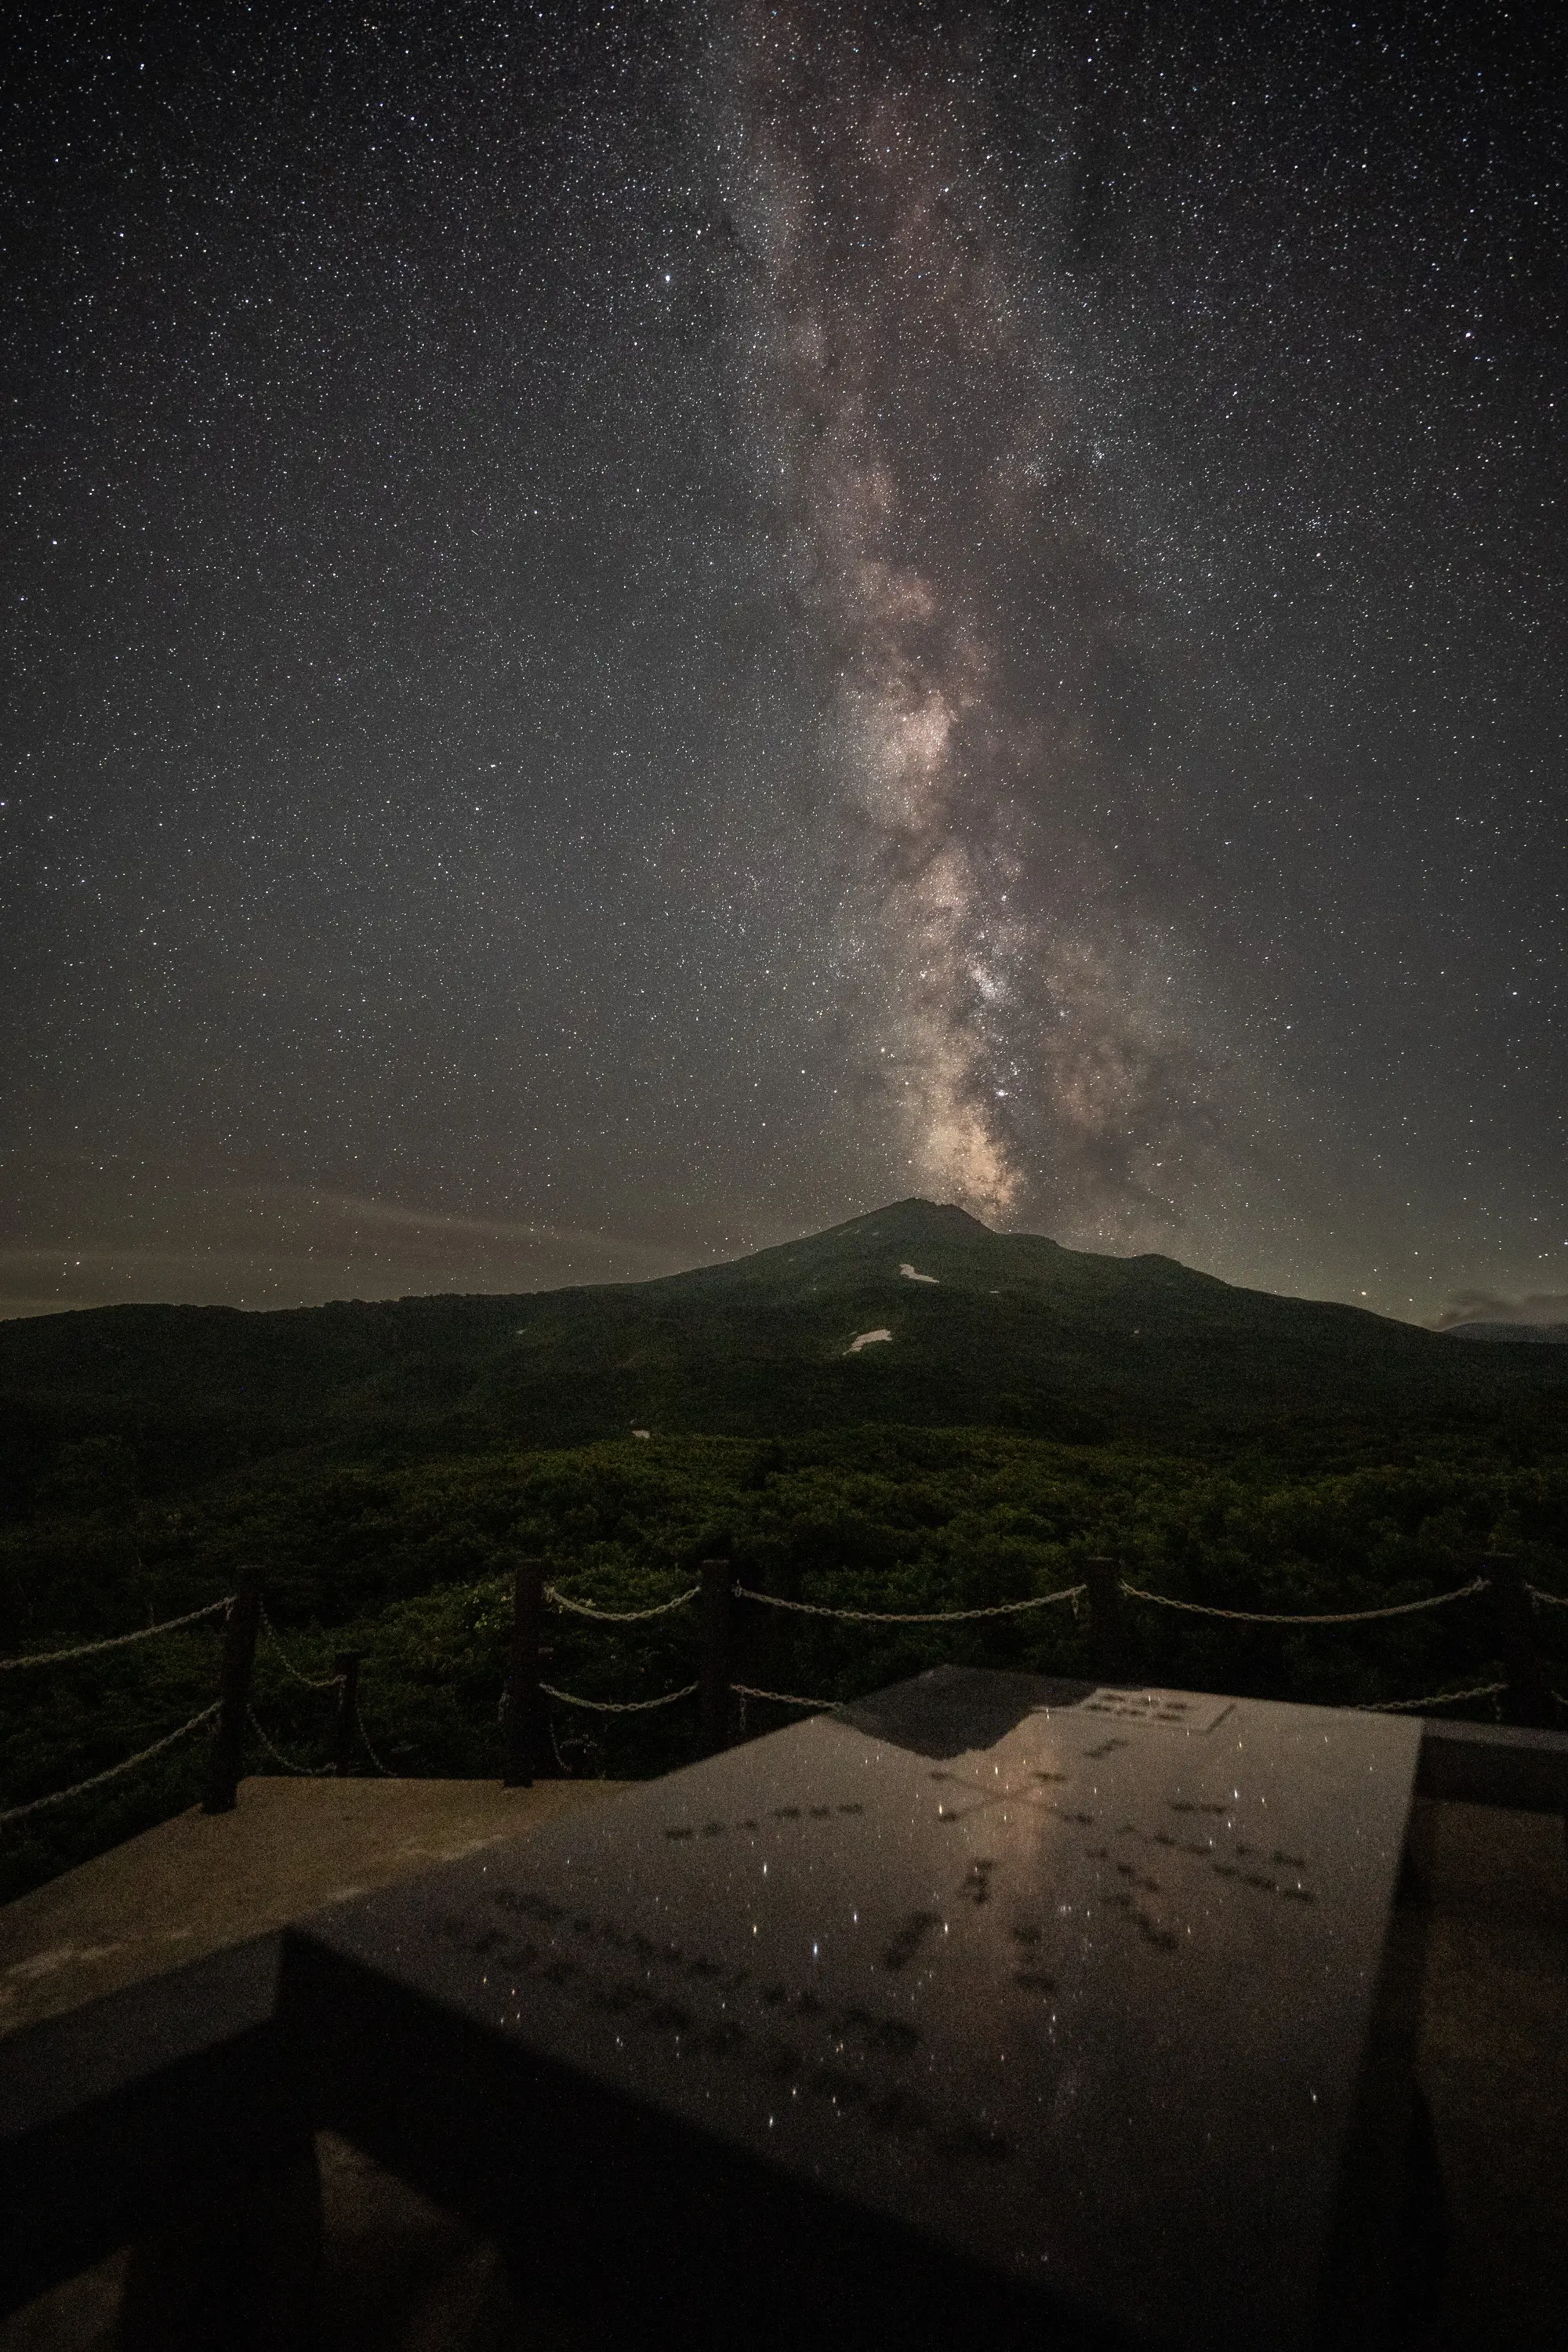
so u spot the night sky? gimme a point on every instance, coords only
(631, 631)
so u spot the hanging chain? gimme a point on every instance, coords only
(304, 1771)
(306, 1681)
(1439, 1698)
(119, 1641)
(368, 1750)
(784, 1699)
(618, 1616)
(617, 1707)
(1334, 1617)
(20, 1812)
(909, 1617)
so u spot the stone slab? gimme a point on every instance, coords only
(1083, 2008)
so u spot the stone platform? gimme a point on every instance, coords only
(202, 1882)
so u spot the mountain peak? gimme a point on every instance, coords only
(915, 1215)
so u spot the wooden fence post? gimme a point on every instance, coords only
(1526, 1699)
(714, 1695)
(1108, 1626)
(526, 1730)
(226, 1761)
(346, 1721)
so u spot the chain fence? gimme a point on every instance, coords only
(1070, 1594)
(97, 1779)
(118, 1641)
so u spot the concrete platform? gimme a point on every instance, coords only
(201, 1881)
(401, 2276)
(1493, 2063)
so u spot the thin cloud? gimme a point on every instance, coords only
(1493, 1307)
(285, 1246)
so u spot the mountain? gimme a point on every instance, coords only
(980, 1327)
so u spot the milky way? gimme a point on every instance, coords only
(916, 406)
(629, 631)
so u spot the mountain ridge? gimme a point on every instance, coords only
(988, 1329)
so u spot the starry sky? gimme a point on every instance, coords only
(632, 630)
